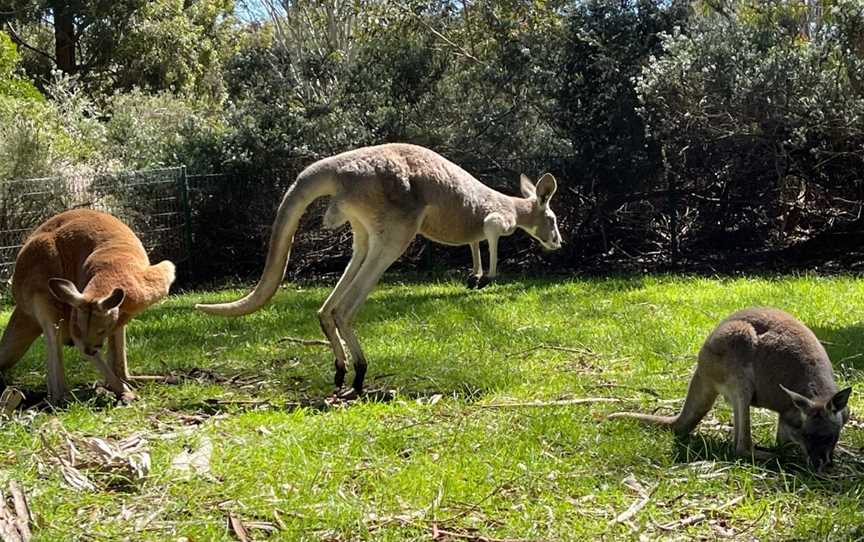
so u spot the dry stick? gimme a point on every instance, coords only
(686, 522)
(438, 534)
(646, 391)
(238, 528)
(565, 402)
(634, 508)
(21, 510)
(304, 342)
(584, 351)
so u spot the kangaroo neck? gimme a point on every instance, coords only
(524, 208)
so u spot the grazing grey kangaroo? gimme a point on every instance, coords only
(79, 278)
(764, 357)
(389, 194)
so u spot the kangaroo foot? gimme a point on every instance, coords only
(348, 394)
(339, 377)
(484, 281)
(343, 395)
(758, 455)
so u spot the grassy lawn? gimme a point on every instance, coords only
(435, 456)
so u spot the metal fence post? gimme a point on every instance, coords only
(183, 187)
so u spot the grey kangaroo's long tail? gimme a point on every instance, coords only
(305, 190)
(700, 397)
(667, 421)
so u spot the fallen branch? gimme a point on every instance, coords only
(563, 402)
(686, 522)
(583, 351)
(304, 342)
(634, 508)
(441, 534)
(15, 521)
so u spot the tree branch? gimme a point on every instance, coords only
(18, 40)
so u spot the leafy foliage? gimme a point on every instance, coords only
(763, 118)
(680, 131)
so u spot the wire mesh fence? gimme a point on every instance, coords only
(154, 203)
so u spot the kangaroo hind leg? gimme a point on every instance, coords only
(477, 265)
(740, 400)
(701, 395)
(384, 249)
(325, 313)
(19, 334)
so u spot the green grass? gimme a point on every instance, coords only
(391, 470)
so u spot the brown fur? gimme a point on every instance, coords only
(79, 278)
(763, 357)
(389, 194)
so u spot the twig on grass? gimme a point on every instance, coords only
(640, 389)
(684, 522)
(442, 534)
(583, 351)
(634, 508)
(563, 402)
(304, 342)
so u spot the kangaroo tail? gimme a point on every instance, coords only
(666, 421)
(700, 398)
(306, 189)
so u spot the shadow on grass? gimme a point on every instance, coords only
(846, 474)
(845, 345)
(181, 336)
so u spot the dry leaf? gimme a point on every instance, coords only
(88, 462)
(197, 462)
(237, 528)
(9, 401)
(75, 479)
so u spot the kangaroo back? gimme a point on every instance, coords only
(87, 262)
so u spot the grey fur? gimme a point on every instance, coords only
(764, 357)
(389, 194)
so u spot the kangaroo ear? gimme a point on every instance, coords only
(840, 400)
(527, 187)
(800, 402)
(65, 291)
(113, 300)
(546, 187)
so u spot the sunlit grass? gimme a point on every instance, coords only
(392, 470)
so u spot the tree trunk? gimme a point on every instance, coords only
(64, 37)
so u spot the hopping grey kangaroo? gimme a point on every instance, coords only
(79, 278)
(764, 357)
(389, 194)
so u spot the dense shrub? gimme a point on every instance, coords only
(760, 115)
